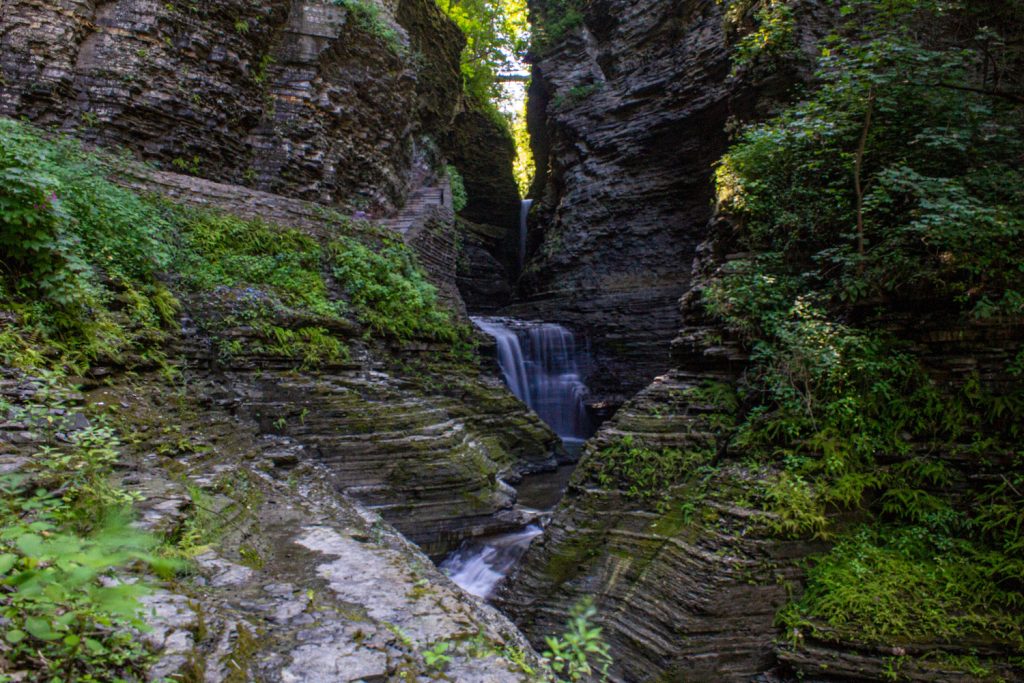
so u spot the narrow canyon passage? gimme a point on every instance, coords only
(541, 364)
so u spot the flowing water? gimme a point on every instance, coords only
(541, 365)
(524, 212)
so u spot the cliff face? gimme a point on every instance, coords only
(689, 580)
(318, 100)
(285, 112)
(628, 114)
(426, 442)
(667, 523)
(483, 151)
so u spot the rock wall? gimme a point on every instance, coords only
(628, 114)
(483, 151)
(298, 583)
(688, 580)
(309, 99)
(426, 441)
(629, 111)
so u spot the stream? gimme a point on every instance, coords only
(540, 363)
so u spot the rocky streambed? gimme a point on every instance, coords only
(542, 365)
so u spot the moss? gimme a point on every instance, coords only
(885, 584)
(238, 661)
(569, 557)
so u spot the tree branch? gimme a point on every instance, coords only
(858, 167)
(1017, 97)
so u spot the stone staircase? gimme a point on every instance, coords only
(421, 203)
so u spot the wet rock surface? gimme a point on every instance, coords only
(303, 584)
(683, 596)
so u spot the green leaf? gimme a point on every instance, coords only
(95, 646)
(30, 544)
(15, 636)
(7, 561)
(40, 628)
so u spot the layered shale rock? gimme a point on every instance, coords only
(426, 440)
(669, 529)
(483, 151)
(686, 579)
(319, 100)
(627, 115)
(301, 583)
(483, 280)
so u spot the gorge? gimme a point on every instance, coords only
(295, 386)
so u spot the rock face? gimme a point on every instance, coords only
(317, 100)
(483, 279)
(484, 152)
(688, 579)
(687, 586)
(425, 441)
(627, 115)
(302, 584)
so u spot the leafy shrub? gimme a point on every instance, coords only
(70, 612)
(459, 196)
(389, 291)
(878, 584)
(772, 35)
(897, 180)
(555, 20)
(74, 247)
(938, 212)
(646, 473)
(579, 653)
(219, 250)
(367, 16)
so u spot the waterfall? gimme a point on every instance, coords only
(524, 213)
(540, 364)
(479, 566)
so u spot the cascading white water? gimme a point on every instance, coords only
(524, 213)
(479, 566)
(539, 362)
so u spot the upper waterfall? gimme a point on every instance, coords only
(524, 213)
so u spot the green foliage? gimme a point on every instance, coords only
(70, 612)
(389, 291)
(770, 36)
(580, 653)
(882, 583)
(524, 165)
(74, 246)
(436, 657)
(939, 212)
(554, 20)
(368, 17)
(648, 474)
(795, 509)
(577, 94)
(459, 196)
(495, 35)
(897, 180)
(218, 250)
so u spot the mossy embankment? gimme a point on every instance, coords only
(222, 378)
